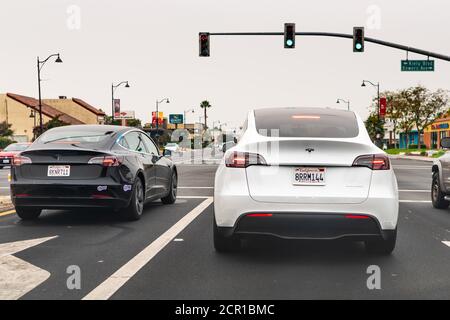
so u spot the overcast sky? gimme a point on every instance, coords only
(154, 45)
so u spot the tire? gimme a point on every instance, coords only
(437, 196)
(28, 213)
(224, 244)
(134, 210)
(1, 167)
(383, 246)
(172, 196)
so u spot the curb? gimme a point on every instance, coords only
(418, 158)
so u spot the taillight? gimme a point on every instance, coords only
(20, 160)
(107, 161)
(373, 161)
(244, 159)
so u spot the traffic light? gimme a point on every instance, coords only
(358, 39)
(204, 44)
(289, 35)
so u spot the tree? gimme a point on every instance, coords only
(374, 126)
(397, 111)
(109, 121)
(425, 106)
(136, 123)
(53, 123)
(5, 129)
(205, 105)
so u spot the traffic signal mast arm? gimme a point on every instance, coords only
(339, 35)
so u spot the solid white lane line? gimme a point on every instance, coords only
(447, 243)
(110, 286)
(427, 191)
(415, 201)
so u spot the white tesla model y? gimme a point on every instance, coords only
(306, 173)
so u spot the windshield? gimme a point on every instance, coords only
(16, 147)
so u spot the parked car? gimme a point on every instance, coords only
(440, 185)
(306, 173)
(93, 166)
(7, 155)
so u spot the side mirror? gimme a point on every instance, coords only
(167, 153)
(180, 139)
(445, 142)
(235, 140)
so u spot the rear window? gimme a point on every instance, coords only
(84, 136)
(16, 147)
(306, 123)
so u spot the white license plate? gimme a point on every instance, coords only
(310, 176)
(58, 171)
(5, 161)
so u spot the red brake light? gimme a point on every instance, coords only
(244, 159)
(107, 161)
(373, 161)
(356, 216)
(20, 160)
(260, 215)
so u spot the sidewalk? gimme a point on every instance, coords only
(417, 158)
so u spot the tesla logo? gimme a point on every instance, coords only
(309, 150)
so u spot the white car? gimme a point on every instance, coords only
(306, 173)
(173, 147)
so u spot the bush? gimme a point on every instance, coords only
(4, 142)
(424, 154)
(412, 146)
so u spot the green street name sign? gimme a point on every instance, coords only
(417, 65)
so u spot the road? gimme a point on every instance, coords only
(168, 254)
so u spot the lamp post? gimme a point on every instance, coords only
(157, 116)
(378, 92)
(40, 65)
(347, 102)
(113, 88)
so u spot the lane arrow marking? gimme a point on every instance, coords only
(18, 277)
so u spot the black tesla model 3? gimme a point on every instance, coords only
(93, 166)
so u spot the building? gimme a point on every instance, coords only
(433, 134)
(22, 113)
(78, 109)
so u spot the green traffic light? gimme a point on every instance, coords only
(289, 43)
(358, 46)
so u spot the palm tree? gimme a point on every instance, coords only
(205, 105)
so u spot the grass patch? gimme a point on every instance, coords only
(398, 151)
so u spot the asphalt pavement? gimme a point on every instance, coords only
(169, 254)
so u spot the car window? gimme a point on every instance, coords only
(306, 123)
(16, 147)
(134, 142)
(149, 145)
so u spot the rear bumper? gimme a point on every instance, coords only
(307, 226)
(61, 196)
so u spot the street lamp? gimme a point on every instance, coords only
(347, 102)
(378, 90)
(113, 88)
(40, 65)
(157, 115)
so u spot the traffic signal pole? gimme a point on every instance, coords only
(340, 35)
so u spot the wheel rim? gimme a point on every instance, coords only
(174, 185)
(139, 197)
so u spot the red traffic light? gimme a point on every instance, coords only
(204, 44)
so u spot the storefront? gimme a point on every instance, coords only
(434, 133)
